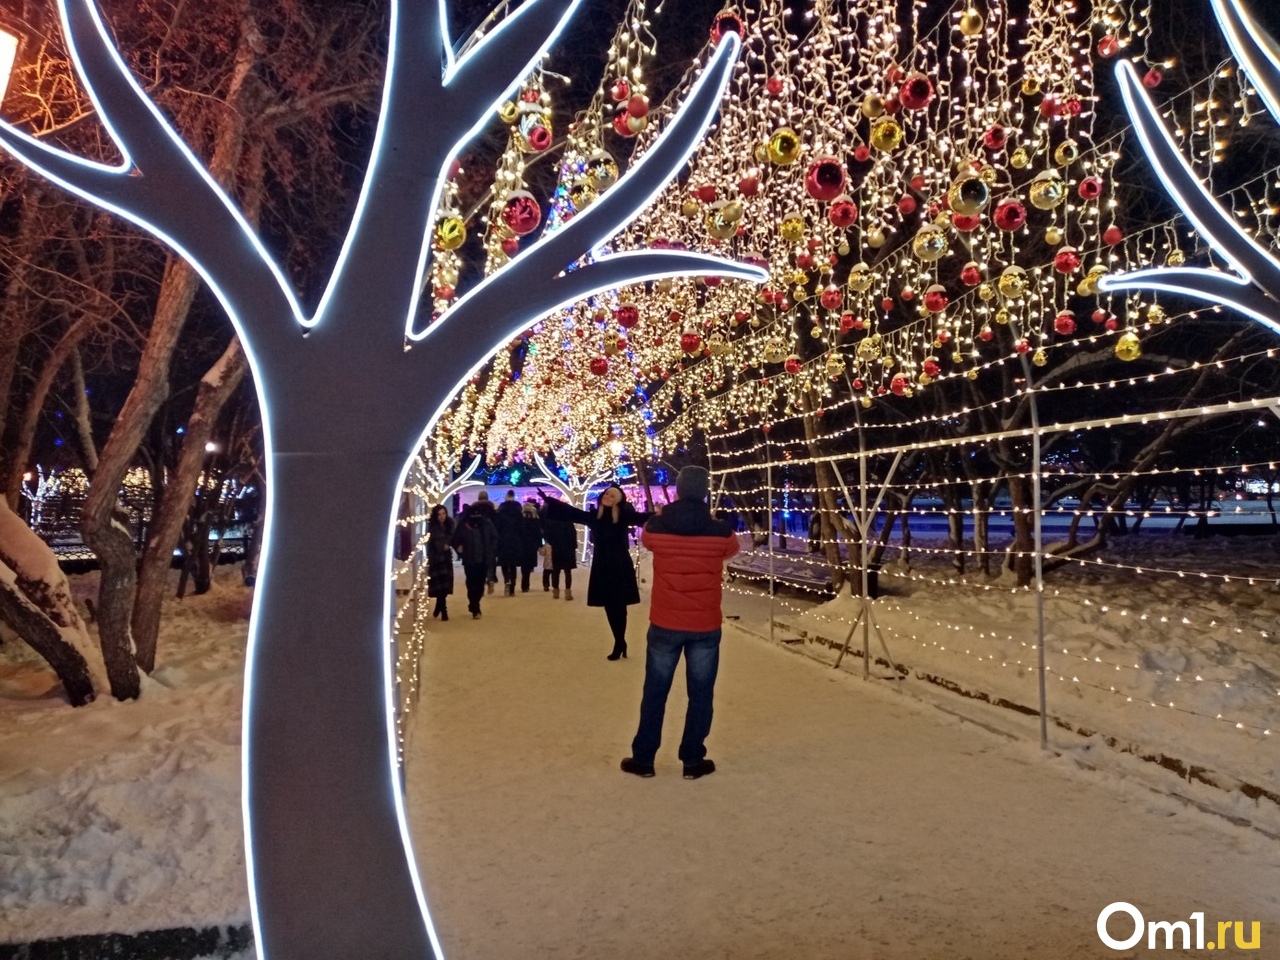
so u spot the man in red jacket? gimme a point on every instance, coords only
(689, 547)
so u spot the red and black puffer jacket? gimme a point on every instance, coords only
(689, 548)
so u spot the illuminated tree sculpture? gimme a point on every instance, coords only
(347, 395)
(1253, 285)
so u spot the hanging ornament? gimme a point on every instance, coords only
(995, 138)
(718, 222)
(873, 106)
(1108, 47)
(986, 333)
(971, 274)
(1064, 323)
(717, 344)
(784, 147)
(1066, 153)
(521, 213)
(968, 195)
(900, 386)
(861, 278)
(1012, 282)
(775, 351)
(875, 238)
(1020, 158)
(1053, 235)
(825, 179)
(917, 92)
(792, 364)
(690, 342)
(1010, 215)
(611, 341)
(964, 223)
(930, 243)
(931, 367)
(972, 23)
(792, 227)
(451, 233)
(1040, 357)
(1047, 191)
(1129, 347)
(843, 212)
(533, 123)
(1066, 260)
(726, 21)
(599, 366)
(886, 135)
(1112, 235)
(1090, 188)
(602, 170)
(831, 298)
(834, 365)
(627, 315)
(749, 184)
(936, 299)
(869, 349)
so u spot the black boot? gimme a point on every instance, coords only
(619, 650)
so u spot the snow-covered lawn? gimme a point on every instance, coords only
(847, 819)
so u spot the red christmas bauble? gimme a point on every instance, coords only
(620, 125)
(899, 384)
(832, 298)
(931, 367)
(1152, 78)
(599, 366)
(1010, 215)
(1065, 323)
(986, 333)
(511, 246)
(1112, 235)
(848, 322)
(1066, 260)
(908, 294)
(620, 91)
(805, 261)
(917, 92)
(707, 193)
(936, 299)
(627, 315)
(907, 205)
(521, 213)
(843, 212)
(971, 275)
(966, 222)
(1108, 47)
(918, 183)
(887, 304)
(825, 179)
(1112, 323)
(995, 138)
(862, 153)
(1100, 316)
(774, 85)
(749, 185)
(792, 365)
(690, 342)
(1090, 188)
(1023, 345)
(638, 106)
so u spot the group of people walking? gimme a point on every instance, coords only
(689, 547)
(489, 539)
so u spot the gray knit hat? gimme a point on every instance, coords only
(693, 483)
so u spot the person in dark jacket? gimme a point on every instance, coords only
(689, 548)
(476, 542)
(562, 540)
(508, 521)
(612, 584)
(490, 510)
(440, 559)
(530, 542)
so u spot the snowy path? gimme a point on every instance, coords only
(845, 821)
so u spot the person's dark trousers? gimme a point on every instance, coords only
(525, 573)
(442, 607)
(509, 576)
(702, 662)
(546, 579)
(617, 615)
(568, 579)
(475, 585)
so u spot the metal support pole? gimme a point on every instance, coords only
(768, 473)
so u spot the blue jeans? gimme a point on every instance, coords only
(702, 661)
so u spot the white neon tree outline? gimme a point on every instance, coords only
(1253, 284)
(346, 404)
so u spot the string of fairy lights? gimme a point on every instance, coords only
(935, 200)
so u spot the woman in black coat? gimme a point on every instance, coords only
(612, 584)
(440, 559)
(530, 542)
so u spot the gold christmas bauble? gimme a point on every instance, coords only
(869, 348)
(986, 292)
(1040, 358)
(784, 147)
(1020, 158)
(969, 195)
(1067, 153)
(775, 351)
(509, 112)
(690, 208)
(1002, 316)
(1030, 87)
(866, 403)
(1156, 315)
(1129, 347)
(1012, 282)
(873, 106)
(930, 243)
(1048, 190)
(1176, 258)
(451, 233)
(875, 239)
(886, 135)
(792, 228)
(971, 374)
(988, 175)
(861, 278)
(972, 23)
(717, 224)
(1053, 236)
(602, 170)
(835, 365)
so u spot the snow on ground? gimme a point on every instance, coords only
(1185, 667)
(846, 819)
(123, 817)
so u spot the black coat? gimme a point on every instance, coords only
(563, 537)
(476, 540)
(613, 575)
(530, 540)
(440, 558)
(508, 521)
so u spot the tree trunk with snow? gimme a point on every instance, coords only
(36, 602)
